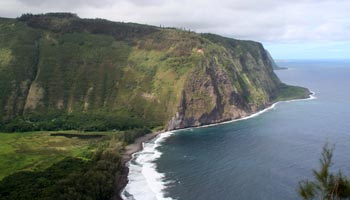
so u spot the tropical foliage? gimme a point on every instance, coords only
(326, 185)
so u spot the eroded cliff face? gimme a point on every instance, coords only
(227, 85)
(165, 77)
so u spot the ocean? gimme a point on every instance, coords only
(260, 158)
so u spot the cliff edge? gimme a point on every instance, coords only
(58, 71)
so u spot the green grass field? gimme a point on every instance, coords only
(287, 92)
(36, 151)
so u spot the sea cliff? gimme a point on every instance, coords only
(58, 71)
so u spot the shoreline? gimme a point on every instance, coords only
(137, 146)
(129, 150)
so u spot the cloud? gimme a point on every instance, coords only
(263, 20)
(66, 4)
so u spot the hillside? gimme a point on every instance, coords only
(58, 71)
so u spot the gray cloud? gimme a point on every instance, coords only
(66, 4)
(263, 20)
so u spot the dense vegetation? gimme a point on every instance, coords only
(69, 22)
(78, 67)
(62, 165)
(81, 121)
(326, 186)
(72, 178)
(61, 72)
(287, 92)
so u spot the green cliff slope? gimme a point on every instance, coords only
(58, 71)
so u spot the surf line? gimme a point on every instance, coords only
(145, 182)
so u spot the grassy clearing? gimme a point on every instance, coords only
(36, 151)
(287, 92)
(5, 57)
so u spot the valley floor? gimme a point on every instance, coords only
(35, 151)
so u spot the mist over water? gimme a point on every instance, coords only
(264, 157)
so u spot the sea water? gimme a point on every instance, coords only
(263, 157)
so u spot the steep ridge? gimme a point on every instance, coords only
(230, 83)
(58, 71)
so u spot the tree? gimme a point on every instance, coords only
(326, 185)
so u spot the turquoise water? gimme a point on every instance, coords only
(263, 157)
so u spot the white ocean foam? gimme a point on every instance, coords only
(145, 182)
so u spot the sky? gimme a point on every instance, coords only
(289, 29)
